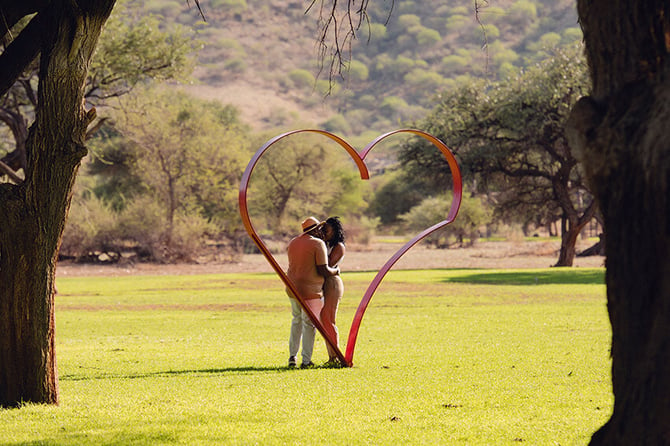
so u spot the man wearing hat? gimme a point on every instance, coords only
(307, 267)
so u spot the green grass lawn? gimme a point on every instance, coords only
(448, 357)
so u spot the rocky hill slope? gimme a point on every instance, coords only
(262, 55)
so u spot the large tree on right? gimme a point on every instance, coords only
(621, 133)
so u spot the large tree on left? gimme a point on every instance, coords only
(63, 33)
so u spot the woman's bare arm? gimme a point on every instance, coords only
(336, 255)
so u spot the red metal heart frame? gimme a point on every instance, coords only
(359, 159)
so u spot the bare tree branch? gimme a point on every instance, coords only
(197, 3)
(6, 170)
(11, 11)
(90, 132)
(19, 54)
(343, 23)
(479, 5)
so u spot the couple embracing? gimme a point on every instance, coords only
(313, 266)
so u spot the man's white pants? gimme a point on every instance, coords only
(302, 327)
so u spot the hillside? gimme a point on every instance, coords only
(262, 56)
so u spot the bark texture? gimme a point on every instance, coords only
(34, 212)
(622, 135)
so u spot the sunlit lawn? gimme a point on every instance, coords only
(472, 357)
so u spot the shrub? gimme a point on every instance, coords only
(457, 22)
(230, 6)
(91, 227)
(547, 41)
(392, 105)
(337, 124)
(170, 8)
(395, 195)
(359, 120)
(301, 78)
(572, 35)
(143, 224)
(358, 71)
(522, 13)
(462, 10)
(368, 101)
(427, 37)
(361, 230)
(492, 14)
(500, 54)
(189, 237)
(236, 65)
(425, 80)
(472, 216)
(377, 32)
(455, 62)
(492, 32)
(507, 71)
(325, 87)
(402, 64)
(406, 21)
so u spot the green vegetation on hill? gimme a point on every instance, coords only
(400, 60)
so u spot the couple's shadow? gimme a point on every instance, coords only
(244, 369)
(188, 372)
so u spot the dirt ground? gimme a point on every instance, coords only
(536, 254)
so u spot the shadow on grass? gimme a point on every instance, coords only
(557, 276)
(119, 437)
(190, 372)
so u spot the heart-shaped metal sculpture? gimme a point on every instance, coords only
(359, 159)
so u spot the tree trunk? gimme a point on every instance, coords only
(622, 136)
(35, 211)
(568, 246)
(571, 227)
(596, 250)
(572, 221)
(27, 359)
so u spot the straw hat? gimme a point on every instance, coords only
(310, 223)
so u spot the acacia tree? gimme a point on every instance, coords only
(65, 34)
(510, 136)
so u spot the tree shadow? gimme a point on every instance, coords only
(102, 437)
(572, 276)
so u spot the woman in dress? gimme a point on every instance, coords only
(333, 287)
